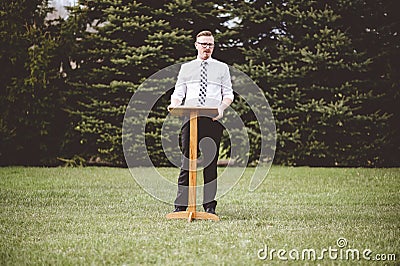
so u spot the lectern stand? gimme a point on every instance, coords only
(193, 113)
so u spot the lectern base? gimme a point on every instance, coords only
(190, 216)
(191, 213)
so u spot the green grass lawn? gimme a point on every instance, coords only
(97, 216)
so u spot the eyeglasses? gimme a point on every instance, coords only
(204, 44)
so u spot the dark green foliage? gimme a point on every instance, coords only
(373, 28)
(127, 42)
(329, 70)
(315, 80)
(31, 102)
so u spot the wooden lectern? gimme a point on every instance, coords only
(193, 113)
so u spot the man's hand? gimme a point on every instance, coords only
(225, 103)
(170, 107)
(220, 113)
(174, 103)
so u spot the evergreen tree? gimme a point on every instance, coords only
(313, 77)
(120, 44)
(373, 28)
(30, 100)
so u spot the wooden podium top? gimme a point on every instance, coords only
(201, 110)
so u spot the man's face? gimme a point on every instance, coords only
(204, 46)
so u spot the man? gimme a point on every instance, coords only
(204, 81)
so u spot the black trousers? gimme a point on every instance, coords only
(209, 136)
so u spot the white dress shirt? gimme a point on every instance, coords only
(219, 85)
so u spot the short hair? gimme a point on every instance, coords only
(204, 33)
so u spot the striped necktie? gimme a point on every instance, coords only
(203, 82)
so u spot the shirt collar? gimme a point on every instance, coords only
(208, 60)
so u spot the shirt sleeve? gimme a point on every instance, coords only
(180, 87)
(226, 90)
